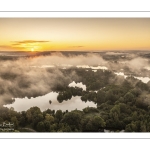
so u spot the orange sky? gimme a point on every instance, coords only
(94, 34)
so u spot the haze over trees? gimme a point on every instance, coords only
(122, 103)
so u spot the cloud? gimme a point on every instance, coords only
(8, 47)
(76, 46)
(28, 42)
(27, 77)
(5, 46)
(25, 44)
(115, 53)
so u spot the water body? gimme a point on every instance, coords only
(92, 67)
(148, 68)
(65, 66)
(52, 66)
(143, 79)
(94, 70)
(120, 74)
(44, 66)
(80, 85)
(23, 104)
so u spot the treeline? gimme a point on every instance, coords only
(68, 93)
(122, 104)
(121, 116)
(51, 121)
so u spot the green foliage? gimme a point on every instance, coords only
(122, 104)
(90, 110)
(64, 128)
(15, 121)
(93, 124)
(142, 86)
(101, 95)
(58, 115)
(49, 118)
(68, 93)
(98, 122)
(40, 126)
(73, 119)
(34, 115)
(129, 97)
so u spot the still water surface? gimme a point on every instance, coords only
(23, 104)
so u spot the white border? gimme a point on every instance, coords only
(75, 14)
(74, 5)
(72, 135)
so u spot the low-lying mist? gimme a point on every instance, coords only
(26, 76)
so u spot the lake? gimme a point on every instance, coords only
(23, 104)
(80, 85)
(143, 79)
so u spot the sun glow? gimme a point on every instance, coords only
(32, 49)
(74, 34)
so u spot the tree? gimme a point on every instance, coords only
(40, 127)
(101, 96)
(34, 115)
(114, 116)
(64, 128)
(98, 122)
(73, 119)
(128, 128)
(136, 92)
(32, 112)
(22, 121)
(1, 120)
(54, 127)
(11, 108)
(37, 118)
(132, 127)
(15, 121)
(49, 118)
(60, 98)
(134, 116)
(115, 109)
(142, 127)
(89, 126)
(93, 124)
(110, 97)
(142, 86)
(47, 125)
(84, 122)
(59, 115)
(121, 99)
(129, 97)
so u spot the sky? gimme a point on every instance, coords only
(74, 34)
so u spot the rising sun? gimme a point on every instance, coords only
(32, 49)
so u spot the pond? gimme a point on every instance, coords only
(23, 104)
(50, 101)
(80, 85)
(143, 79)
(92, 67)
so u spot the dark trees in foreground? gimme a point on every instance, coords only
(123, 105)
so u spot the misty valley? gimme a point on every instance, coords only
(71, 91)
